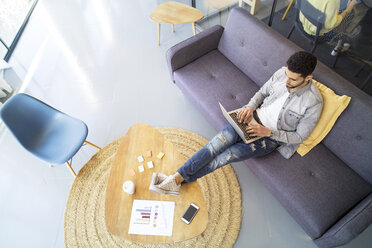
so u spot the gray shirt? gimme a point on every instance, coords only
(297, 117)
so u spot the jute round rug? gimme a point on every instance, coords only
(85, 210)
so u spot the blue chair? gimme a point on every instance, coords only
(44, 131)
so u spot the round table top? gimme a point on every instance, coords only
(175, 13)
(118, 206)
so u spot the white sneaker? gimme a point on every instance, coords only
(345, 47)
(156, 179)
(168, 187)
(334, 52)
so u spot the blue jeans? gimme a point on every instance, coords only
(226, 147)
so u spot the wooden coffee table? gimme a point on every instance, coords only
(175, 13)
(118, 206)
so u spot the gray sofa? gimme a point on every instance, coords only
(329, 191)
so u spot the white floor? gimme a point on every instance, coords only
(99, 61)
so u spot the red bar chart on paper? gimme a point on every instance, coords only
(143, 216)
(152, 218)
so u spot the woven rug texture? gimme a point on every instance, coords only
(84, 224)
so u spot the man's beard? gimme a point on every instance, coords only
(293, 87)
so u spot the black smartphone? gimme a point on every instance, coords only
(190, 213)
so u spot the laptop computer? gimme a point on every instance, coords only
(240, 128)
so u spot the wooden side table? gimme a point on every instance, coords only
(175, 13)
(118, 206)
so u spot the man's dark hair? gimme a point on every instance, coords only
(302, 62)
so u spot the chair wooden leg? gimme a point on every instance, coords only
(158, 34)
(251, 3)
(288, 8)
(91, 144)
(253, 7)
(69, 165)
(71, 170)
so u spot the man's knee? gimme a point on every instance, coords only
(263, 143)
(222, 138)
(252, 146)
(228, 157)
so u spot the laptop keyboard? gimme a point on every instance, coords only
(242, 126)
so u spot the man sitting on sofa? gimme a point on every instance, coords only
(287, 107)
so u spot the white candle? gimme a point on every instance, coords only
(129, 187)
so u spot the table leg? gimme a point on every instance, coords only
(158, 34)
(172, 27)
(193, 28)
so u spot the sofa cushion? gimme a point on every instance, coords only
(317, 190)
(333, 106)
(212, 79)
(254, 47)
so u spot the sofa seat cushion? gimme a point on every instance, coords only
(317, 190)
(211, 79)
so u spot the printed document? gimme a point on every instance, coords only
(152, 218)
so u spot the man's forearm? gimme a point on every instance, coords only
(348, 9)
(256, 100)
(287, 137)
(263, 92)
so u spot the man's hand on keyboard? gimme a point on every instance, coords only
(258, 130)
(245, 115)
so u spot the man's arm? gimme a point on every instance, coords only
(350, 6)
(245, 113)
(333, 19)
(262, 93)
(304, 127)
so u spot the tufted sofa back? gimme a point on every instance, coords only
(251, 49)
(258, 52)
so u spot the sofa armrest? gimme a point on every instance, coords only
(350, 226)
(193, 48)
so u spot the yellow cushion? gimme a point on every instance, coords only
(333, 106)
